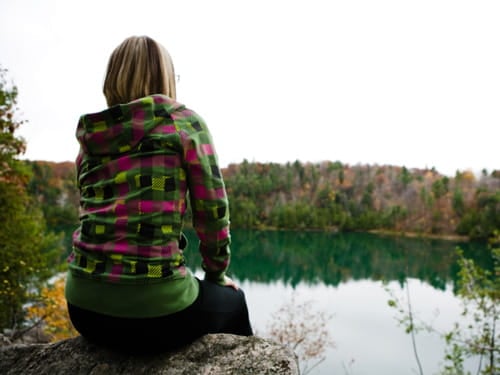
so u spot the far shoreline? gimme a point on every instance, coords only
(445, 237)
(380, 232)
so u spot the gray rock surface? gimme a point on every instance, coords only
(210, 355)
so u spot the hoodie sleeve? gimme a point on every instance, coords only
(209, 203)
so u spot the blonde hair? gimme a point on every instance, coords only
(138, 67)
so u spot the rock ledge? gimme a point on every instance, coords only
(210, 355)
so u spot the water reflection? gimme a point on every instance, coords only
(334, 258)
(341, 274)
(367, 337)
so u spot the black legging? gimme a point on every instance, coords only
(217, 309)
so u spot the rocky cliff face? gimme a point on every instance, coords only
(210, 355)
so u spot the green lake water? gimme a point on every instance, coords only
(342, 275)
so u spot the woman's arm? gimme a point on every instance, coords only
(209, 203)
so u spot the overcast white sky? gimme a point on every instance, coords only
(414, 83)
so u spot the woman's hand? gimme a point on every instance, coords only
(230, 283)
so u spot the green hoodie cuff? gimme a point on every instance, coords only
(216, 277)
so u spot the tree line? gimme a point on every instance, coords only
(326, 196)
(336, 196)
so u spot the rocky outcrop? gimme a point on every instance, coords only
(210, 355)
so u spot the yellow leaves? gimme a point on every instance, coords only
(331, 195)
(468, 176)
(52, 310)
(6, 289)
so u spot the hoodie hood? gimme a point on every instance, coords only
(120, 128)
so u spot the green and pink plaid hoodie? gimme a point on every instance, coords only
(138, 164)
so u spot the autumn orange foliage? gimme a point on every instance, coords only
(52, 312)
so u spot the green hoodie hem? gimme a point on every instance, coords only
(132, 301)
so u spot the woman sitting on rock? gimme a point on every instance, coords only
(139, 163)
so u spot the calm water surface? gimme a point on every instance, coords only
(341, 274)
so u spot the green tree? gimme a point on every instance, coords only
(24, 245)
(479, 291)
(440, 187)
(56, 192)
(405, 177)
(481, 221)
(247, 212)
(458, 202)
(22, 262)
(11, 169)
